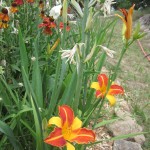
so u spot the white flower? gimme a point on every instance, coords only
(20, 84)
(15, 31)
(70, 54)
(33, 58)
(55, 11)
(107, 7)
(108, 51)
(3, 62)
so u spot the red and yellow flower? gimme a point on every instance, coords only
(14, 8)
(127, 20)
(4, 15)
(101, 89)
(68, 130)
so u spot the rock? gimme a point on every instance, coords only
(127, 125)
(126, 145)
(124, 127)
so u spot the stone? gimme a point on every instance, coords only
(124, 127)
(126, 145)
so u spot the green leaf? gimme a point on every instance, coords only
(105, 122)
(5, 129)
(23, 52)
(125, 136)
(36, 76)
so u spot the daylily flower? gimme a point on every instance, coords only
(61, 26)
(4, 15)
(68, 130)
(13, 8)
(18, 2)
(127, 20)
(101, 89)
(70, 54)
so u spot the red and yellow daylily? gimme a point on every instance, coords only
(101, 89)
(127, 20)
(68, 130)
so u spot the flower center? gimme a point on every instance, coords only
(66, 132)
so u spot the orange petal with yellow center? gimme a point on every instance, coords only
(55, 121)
(115, 89)
(56, 138)
(83, 136)
(66, 114)
(102, 80)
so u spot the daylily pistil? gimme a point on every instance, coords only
(101, 89)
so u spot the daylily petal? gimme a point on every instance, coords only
(95, 85)
(70, 146)
(102, 80)
(66, 115)
(99, 94)
(129, 22)
(55, 121)
(115, 89)
(84, 136)
(77, 124)
(112, 100)
(56, 138)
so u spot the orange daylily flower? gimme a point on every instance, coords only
(14, 8)
(101, 89)
(4, 15)
(3, 24)
(68, 130)
(127, 20)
